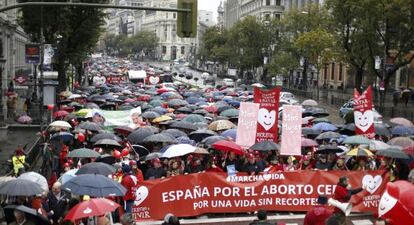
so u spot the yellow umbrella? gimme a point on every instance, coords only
(219, 125)
(161, 119)
(359, 152)
(83, 112)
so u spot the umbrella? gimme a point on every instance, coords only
(178, 150)
(402, 131)
(201, 151)
(185, 110)
(200, 112)
(309, 102)
(105, 135)
(83, 153)
(31, 214)
(150, 115)
(265, 146)
(159, 110)
(185, 140)
(409, 150)
(62, 136)
(90, 126)
(160, 138)
(90, 105)
(25, 119)
(95, 185)
(318, 112)
(305, 142)
(183, 125)
(154, 155)
(106, 158)
(228, 146)
(96, 168)
(177, 103)
(324, 127)
(403, 142)
(231, 133)
(381, 130)
(68, 175)
(199, 135)
(328, 135)
(92, 207)
(359, 152)
(60, 123)
(357, 139)
(124, 131)
(175, 133)
(4, 179)
(326, 149)
(321, 120)
(393, 152)
(230, 113)
(310, 131)
(161, 119)
(139, 135)
(211, 109)
(60, 113)
(37, 178)
(106, 143)
(156, 102)
(402, 121)
(378, 145)
(219, 125)
(208, 141)
(193, 100)
(140, 150)
(125, 107)
(194, 118)
(20, 187)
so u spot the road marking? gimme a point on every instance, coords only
(362, 222)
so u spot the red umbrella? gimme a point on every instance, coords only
(60, 113)
(162, 90)
(211, 109)
(409, 150)
(305, 142)
(92, 207)
(144, 98)
(228, 146)
(129, 100)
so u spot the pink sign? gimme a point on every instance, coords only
(291, 130)
(246, 128)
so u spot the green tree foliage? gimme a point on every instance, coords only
(74, 30)
(143, 41)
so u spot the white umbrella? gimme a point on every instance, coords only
(74, 96)
(379, 145)
(257, 85)
(5, 179)
(37, 178)
(309, 102)
(178, 150)
(68, 176)
(60, 123)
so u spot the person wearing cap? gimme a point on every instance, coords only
(20, 218)
(319, 213)
(130, 182)
(251, 167)
(261, 219)
(155, 171)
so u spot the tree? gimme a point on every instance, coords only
(73, 30)
(143, 41)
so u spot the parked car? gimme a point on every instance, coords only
(287, 96)
(348, 106)
(228, 82)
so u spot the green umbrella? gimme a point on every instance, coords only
(357, 139)
(194, 118)
(393, 152)
(230, 113)
(83, 153)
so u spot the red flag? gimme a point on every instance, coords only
(363, 114)
(267, 119)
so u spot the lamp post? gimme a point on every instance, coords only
(2, 64)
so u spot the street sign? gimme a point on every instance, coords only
(32, 54)
(20, 79)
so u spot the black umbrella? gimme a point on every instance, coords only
(101, 136)
(393, 152)
(140, 150)
(20, 187)
(177, 102)
(328, 135)
(185, 110)
(150, 115)
(183, 125)
(381, 130)
(319, 112)
(106, 143)
(31, 214)
(200, 112)
(265, 146)
(106, 158)
(90, 126)
(160, 138)
(325, 149)
(91, 105)
(138, 136)
(94, 185)
(199, 135)
(96, 168)
(348, 129)
(154, 155)
(175, 132)
(310, 131)
(125, 107)
(208, 141)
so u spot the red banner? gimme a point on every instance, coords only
(268, 113)
(363, 114)
(200, 193)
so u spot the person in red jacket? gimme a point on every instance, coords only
(318, 214)
(343, 192)
(130, 182)
(136, 171)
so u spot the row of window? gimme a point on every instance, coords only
(173, 50)
(273, 2)
(333, 71)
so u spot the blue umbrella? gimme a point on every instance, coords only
(62, 136)
(232, 133)
(202, 103)
(193, 100)
(402, 131)
(185, 140)
(94, 185)
(159, 110)
(234, 103)
(325, 126)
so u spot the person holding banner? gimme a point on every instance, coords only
(343, 192)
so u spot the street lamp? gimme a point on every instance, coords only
(2, 64)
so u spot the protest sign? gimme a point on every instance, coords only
(291, 130)
(268, 113)
(363, 114)
(247, 123)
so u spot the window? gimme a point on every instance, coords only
(166, 28)
(340, 71)
(164, 49)
(278, 2)
(325, 72)
(277, 16)
(173, 15)
(267, 2)
(333, 71)
(182, 50)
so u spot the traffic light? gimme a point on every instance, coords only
(187, 21)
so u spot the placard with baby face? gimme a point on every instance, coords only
(363, 114)
(267, 118)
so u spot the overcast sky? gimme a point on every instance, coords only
(210, 5)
